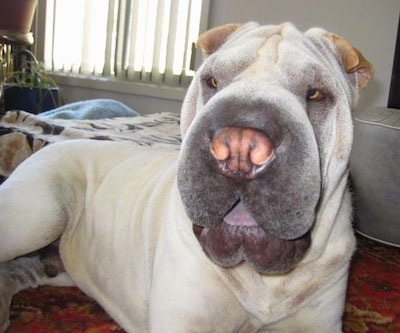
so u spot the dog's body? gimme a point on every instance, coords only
(261, 179)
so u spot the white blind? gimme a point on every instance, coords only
(139, 40)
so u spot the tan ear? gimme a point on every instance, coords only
(212, 39)
(352, 59)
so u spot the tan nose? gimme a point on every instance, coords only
(241, 152)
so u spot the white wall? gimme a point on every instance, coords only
(370, 25)
(140, 97)
(139, 103)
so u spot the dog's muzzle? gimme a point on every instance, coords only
(242, 154)
(250, 182)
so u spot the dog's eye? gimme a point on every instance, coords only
(315, 95)
(211, 82)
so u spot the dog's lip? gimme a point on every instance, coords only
(238, 238)
(238, 216)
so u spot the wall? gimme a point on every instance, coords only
(370, 25)
(141, 97)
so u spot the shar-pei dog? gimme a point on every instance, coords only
(246, 229)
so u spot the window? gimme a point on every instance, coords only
(136, 40)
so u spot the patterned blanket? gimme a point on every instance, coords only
(22, 133)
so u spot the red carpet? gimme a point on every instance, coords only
(373, 303)
(373, 295)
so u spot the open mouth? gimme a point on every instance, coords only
(240, 239)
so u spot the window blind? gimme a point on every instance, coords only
(138, 40)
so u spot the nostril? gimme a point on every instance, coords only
(261, 149)
(220, 147)
(240, 151)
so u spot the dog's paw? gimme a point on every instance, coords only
(16, 275)
(6, 295)
(5, 325)
(4, 321)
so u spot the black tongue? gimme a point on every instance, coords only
(239, 216)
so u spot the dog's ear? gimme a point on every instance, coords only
(212, 39)
(352, 59)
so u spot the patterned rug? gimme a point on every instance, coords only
(373, 295)
(373, 302)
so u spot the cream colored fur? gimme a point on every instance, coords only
(127, 242)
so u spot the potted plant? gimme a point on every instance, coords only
(30, 88)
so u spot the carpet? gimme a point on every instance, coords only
(373, 300)
(373, 293)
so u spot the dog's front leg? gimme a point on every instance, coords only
(23, 273)
(187, 294)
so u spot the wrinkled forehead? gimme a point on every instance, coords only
(263, 49)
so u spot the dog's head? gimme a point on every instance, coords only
(267, 130)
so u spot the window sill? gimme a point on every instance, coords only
(121, 86)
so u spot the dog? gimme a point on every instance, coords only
(246, 229)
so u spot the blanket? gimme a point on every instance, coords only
(90, 109)
(22, 133)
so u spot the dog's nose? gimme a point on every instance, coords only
(241, 152)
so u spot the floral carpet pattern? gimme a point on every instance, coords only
(373, 295)
(373, 300)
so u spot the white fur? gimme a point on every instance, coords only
(127, 242)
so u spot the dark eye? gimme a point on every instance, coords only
(211, 82)
(315, 95)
